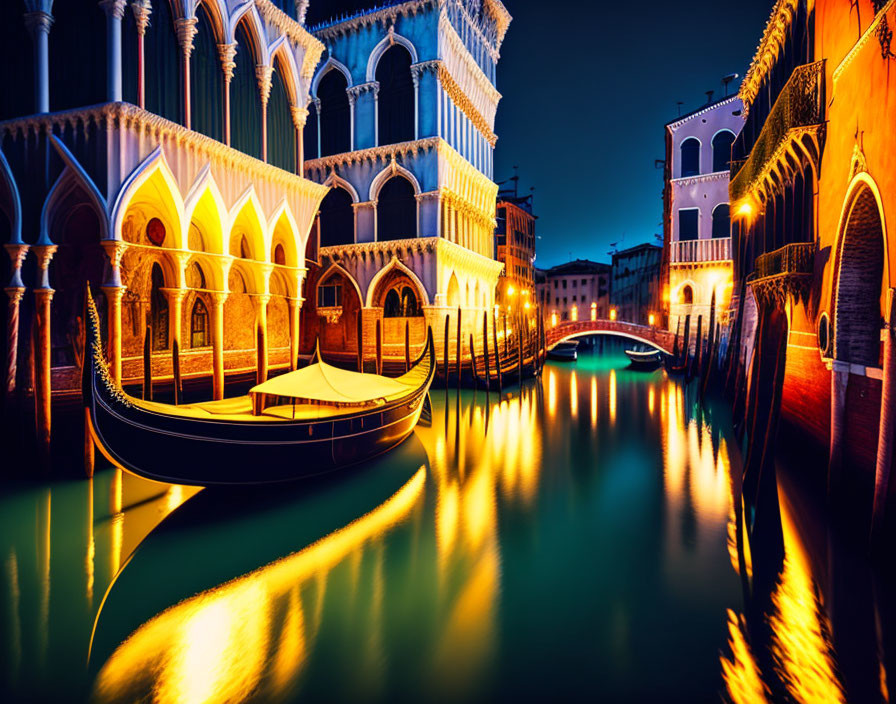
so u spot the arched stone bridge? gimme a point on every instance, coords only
(662, 340)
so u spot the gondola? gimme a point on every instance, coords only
(322, 419)
(644, 360)
(564, 351)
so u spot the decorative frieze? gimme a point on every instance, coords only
(460, 99)
(467, 73)
(384, 16)
(385, 152)
(770, 48)
(313, 47)
(370, 86)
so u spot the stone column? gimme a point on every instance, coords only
(299, 118)
(14, 292)
(217, 315)
(175, 297)
(186, 30)
(114, 292)
(352, 96)
(415, 77)
(261, 329)
(295, 308)
(38, 20)
(317, 117)
(263, 75)
(227, 53)
(142, 9)
(43, 296)
(114, 10)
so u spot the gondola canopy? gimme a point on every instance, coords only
(323, 383)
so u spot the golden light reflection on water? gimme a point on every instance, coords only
(593, 402)
(573, 395)
(740, 672)
(220, 645)
(612, 397)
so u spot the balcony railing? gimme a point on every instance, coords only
(800, 104)
(791, 259)
(692, 251)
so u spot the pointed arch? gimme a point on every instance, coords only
(330, 65)
(285, 232)
(284, 61)
(217, 13)
(15, 201)
(247, 219)
(334, 181)
(76, 172)
(392, 169)
(204, 204)
(337, 268)
(395, 265)
(453, 292)
(383, 46)
(248, 16)
(153, 180)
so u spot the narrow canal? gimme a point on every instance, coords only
(578, 537)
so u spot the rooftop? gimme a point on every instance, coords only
(579, 266)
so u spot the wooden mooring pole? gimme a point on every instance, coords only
(498, 354)
(519, 344)
(147, 364)
(175, 365)
(379, 347)
(407, 346)
(459, 351)
(488, 381)
(360, 327)
(445, 351)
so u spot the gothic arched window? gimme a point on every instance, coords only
(721, 150)
(335, 115)
(690, 157)
(395, 101)
(245, 101)
(158, 310)
(199, 325)
(396, 210)
(281, 130)
(337, 218)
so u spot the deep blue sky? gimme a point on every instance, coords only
(588, 86)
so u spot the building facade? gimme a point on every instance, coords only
(515, 249)
(401, 129)
(697, 221)
(813, 180)
(635, 284)
(152, 149)
(577, 290)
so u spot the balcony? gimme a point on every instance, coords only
(698, 251)
(788, 270)
(799, 108)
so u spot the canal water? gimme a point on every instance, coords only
(577, 538)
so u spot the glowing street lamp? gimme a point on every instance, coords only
(651, 319)
(554, 319)
(574, 314)
(612, 314)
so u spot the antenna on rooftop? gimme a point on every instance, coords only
(709, 95)
(516, 181)
(727, 80)
(679, 104)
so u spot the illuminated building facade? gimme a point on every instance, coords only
(577, 290)
(813, 183)
(152, 149)
(402, 129)
(697, 223)
(635, 284)
(515, 248)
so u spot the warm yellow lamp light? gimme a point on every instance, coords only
(574, 313)
(553, 320)
(511, 290)
(745, 209)
(612, 314)
(651, 319)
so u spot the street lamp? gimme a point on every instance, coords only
(612, 314)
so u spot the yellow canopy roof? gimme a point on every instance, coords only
(323, 383)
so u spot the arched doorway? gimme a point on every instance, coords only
(335, 114)
(396, 210)
(338, 304)
(402, 304)
(857, 315)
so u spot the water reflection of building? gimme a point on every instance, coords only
(402, 130)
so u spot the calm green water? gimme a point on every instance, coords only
(577, 539)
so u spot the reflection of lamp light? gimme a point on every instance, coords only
(554, 320)
(510, 290)
(593, 311)
(651, 319)
(574, 313)
(526, 292)
(526, 305)
(612, 314)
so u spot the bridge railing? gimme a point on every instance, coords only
(652, 335)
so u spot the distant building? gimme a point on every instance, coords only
(578, 290)
(635, 284)
(515, 247)
(697, 221)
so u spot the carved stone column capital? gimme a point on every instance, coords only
(142, 9)
(44, 254)
(186, 30)
(264, 74)
(15, 294)
(38, 21)
(299, 116)
(17, 254)
(227, 54)
(113, 8)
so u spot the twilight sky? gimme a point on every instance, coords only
(588, 86)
